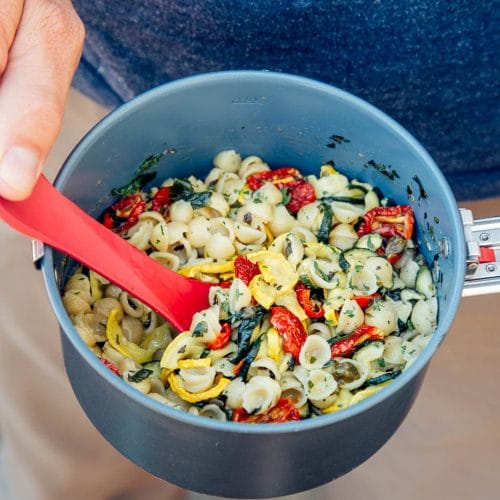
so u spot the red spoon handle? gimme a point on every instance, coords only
(49, 216)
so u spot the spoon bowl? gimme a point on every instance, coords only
(48, 216)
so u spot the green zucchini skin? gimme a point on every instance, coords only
(381, 378)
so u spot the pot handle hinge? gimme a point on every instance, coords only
(37, 253)
(482, 238)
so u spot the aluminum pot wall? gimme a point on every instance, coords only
(289, 121)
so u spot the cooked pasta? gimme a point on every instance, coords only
(319, 298)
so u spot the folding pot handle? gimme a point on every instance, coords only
(482, 237)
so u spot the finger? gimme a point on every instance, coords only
(33, 91)
(10, 15)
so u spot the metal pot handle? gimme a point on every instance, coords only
(483, 254)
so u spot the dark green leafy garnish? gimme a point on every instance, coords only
(136, 184)
(139, 375)
(306, 281)
(343, 263)
(149, 163)
(245, 331)
(423, 193)
(336, 139)
(182, 189)
(326, 224)
(200, 329)
(386, 170)
(250, 357)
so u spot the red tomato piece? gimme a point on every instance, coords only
(161, 199)
(290, 328)
(111, 366)
(280, 177)
(389, 221)
(283, 411)
(245, 269)
(346, 347)
(365, 300)
(312, 308)
(302, 193)
(222, 339)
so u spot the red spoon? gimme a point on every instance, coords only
(49, 216)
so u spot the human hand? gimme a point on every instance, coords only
(40, 47)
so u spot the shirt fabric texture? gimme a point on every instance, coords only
(431, 65)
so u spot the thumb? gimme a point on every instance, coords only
(40, 66)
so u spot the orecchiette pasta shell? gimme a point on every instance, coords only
(228, 160)
(261, 393)
(351, 316)
(320, 384)
(382, 315)
(181, 211)
(315, 353)
(343, 236)
(234, 393)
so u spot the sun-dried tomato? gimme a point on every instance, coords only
(290, 328)
(365, 300)
(280, 177)
(346, 347)
(245, 269)
(301, 193)
(388, 221)
(283, 411)
(312, 307)
(222, 338)
(161, 199)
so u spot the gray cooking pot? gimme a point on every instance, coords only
(287, 120)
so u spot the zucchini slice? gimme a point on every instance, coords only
(356, 256)
(424, 283)
(371, 241)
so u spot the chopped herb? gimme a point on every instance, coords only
(343, 262)
(381, 362)
(423, 193)
(199, 200)
(313, 359)
(320, 271)
(200, 329)
(409, 192)
(139, 375)
(336, 139)
(310, 384)
(136, 184)
(149, 163)
(436, 220)
(286, 197)
(257, 200)
(358, 268)
(306, 281)
(205, 353)
(383, 169)
(350, 313)
(182, 189)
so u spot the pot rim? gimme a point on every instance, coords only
(444, 322)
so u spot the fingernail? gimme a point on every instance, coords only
(19, 169)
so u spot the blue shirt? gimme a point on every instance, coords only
(432, 65)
